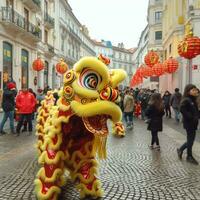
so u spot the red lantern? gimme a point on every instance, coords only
(61, 67)
(151, 59)
(140, 70)
(158, 69)
(147, 71)
(189, 47)
(171, 65)
(38, 65)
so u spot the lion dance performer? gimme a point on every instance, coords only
(73, 131)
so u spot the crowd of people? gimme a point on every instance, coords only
(20, 106)
(149, 105)
(152, 106)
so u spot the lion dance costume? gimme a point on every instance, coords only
(73, 131)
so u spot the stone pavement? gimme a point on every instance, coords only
(132, 170)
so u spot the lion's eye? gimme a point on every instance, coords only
(89, 79)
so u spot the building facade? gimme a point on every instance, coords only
(120, 57)
(141, 51)
(151, 39)
(47, 29)
(176, 16)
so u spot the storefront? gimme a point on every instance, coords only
(24, 71)
(7, 62)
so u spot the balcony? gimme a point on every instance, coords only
(16, 24)
(33, 5)
(48, 21)
(49, 50)
(76, 36)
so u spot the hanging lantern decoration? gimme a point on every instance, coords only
(171, 65)
(190, 47)
(147, 71)
(136, 80)
(158, 69)
(38, 64)
(151, 58)
(61, 67)
(140, 70)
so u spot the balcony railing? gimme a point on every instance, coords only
(11, 16)
(37, 2)
(50, 48)
(49, 19)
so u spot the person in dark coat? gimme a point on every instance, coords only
(175, 103)
(190, 113)
(166, 101)
(155, 112)
(8, 105)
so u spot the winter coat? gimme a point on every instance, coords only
(190, 113)
(155, 118)
(25, 102)
(8, 101)
(166, 100)
(176, 100)
(144, 99)
(128, 103)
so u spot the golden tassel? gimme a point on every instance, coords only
(100, 146)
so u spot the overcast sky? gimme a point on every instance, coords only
(114, 20)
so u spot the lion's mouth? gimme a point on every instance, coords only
(96, 124)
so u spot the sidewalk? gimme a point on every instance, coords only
(131, 172)
(179, 127)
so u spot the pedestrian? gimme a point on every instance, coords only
(175, 103)
(144, 99)
(8, 105)
(25, 103)
(137, 109)
(155, 112)
(56, 97)
(166, 101)
(128, 109)
(40, 96)
(190, 113)
(24, 129)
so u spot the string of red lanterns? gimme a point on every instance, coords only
(153, 68)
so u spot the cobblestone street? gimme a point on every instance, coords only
(132, 170)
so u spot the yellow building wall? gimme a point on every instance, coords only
(173, 17)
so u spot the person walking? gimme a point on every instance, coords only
(190, 113)
(25, 103)
(175, 103)
(24, 129)
(128, 109)
(155, 112)
(166, 100)
(144, 99)
(8, 105)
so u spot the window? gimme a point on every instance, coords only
(46, 36)
(158, 35)
(145, 38)
(24, 75)
(7, 62)
(158, 16)
(170, 48)
(62, 43)
(46, 73)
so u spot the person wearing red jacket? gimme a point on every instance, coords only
(25, 103)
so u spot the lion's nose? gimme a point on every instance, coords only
(109, 94)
